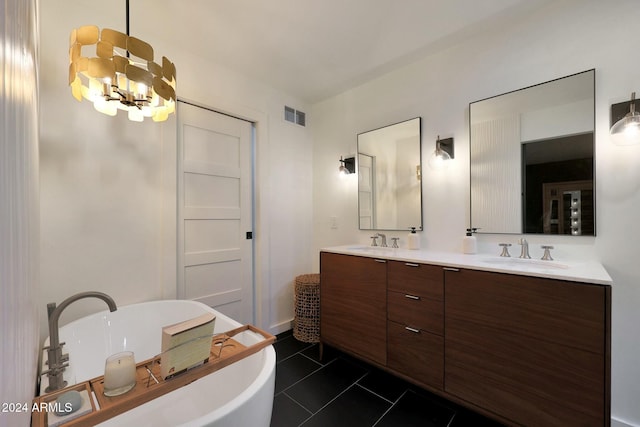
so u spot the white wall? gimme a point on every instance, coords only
(564, 38)
(109, 186)
(283, 201)
(19, 228)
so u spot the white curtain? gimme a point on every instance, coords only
(19, 207)
(496, 178)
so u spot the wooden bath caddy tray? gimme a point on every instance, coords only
(224, 351)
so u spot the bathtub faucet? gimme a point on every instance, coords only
(56, 361)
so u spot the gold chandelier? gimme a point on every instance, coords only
(122, 76)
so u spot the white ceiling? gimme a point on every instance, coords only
(316, 49)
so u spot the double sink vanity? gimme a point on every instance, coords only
(526, 342)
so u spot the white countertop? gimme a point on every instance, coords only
(574, 271)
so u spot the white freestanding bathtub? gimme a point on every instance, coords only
(240, 394)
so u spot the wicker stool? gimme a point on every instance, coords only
(306, 299)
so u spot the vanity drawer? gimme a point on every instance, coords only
(416, 279)
(416, 353)
(416, 311)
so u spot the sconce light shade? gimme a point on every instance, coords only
(625, 129)
(443, 152)
(114, 81)
(347, 166)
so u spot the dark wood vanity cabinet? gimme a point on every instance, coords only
(534, 351)
(524, 350)
(353, 305)
(415, 342)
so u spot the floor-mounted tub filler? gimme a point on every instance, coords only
(240, 394)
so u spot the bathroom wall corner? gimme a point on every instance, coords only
(19, 210)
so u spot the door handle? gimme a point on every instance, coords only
(412, 297)
(414, 330)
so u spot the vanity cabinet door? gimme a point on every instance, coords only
(416, 353)
(531, 350)
(353, 304)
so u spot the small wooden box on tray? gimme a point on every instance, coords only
(149, 384)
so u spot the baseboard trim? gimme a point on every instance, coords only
(619, 423)
(281, 327)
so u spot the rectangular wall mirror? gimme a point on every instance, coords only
(390, 177)
(532, 159)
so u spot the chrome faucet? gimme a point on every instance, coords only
(505, 249)
(383, 243)
(56, 361)
(524, 253)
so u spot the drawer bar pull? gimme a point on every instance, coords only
(410, 264)
(381, 260)
(414, 330)
(450, 269)
(412, 296)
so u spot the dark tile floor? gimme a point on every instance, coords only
(343, 391)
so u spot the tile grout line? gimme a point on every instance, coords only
(390, 407)
(331, 401)
(452, 418)
(310, 414)
(297, 352)
(313, 360)
(380, 396)
(355, 383)
(305, 377)
(337, 396)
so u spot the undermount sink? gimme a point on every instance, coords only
(521, 262)
(367, 248)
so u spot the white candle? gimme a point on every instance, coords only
(119, 373)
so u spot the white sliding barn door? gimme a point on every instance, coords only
(215, 214)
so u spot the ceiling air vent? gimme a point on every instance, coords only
(294, 116)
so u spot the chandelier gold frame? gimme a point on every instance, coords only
(122, 76)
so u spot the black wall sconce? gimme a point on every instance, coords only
(625, 122)
(443, 152)
(347, 165)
